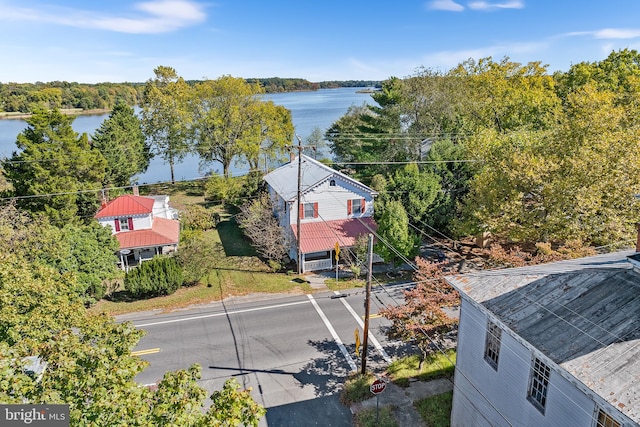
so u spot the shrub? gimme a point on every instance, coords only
(160, 276)
(196, 217)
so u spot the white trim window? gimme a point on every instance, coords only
(606, 420)
(539, 384)
(492, 344)
(124, 224)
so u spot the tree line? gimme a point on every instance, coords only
(502, 147)
(27, 97)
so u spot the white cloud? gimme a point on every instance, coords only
(617, 33)
(449, 5)
(155, 16)
(483, 5)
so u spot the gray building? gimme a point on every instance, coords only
(555, 344)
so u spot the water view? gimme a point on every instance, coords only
(308, 111)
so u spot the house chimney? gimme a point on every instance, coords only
(103, 201)
(292, 156)
(135, 190)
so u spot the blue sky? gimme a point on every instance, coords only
(117, 40)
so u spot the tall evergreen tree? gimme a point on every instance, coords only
(55, 169)
(123, 145)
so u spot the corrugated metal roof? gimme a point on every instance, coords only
(582, 314)
(126, 205)
(322, 236)
(163, 232)
(284, 180)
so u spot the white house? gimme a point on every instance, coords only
(550, 345)
(144, 226)
(334, 209)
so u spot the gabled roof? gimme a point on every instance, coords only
(126, 205)
(323, 235)
(582, 314)
(284, 180)
(163, 232)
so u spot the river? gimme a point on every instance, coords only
(309, 110)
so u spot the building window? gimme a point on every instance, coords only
(606, 420)
(355, 206)
(539, 384)
(124, 224)
(309, 210)
(332, 183)
(492, 344)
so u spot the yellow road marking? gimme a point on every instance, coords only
(144, 352)
(373, 316)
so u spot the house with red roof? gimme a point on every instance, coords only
(144, 226)
(334, 209)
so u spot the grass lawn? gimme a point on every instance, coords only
(344, 283)
(231, 269)
(356, 388)
(436, 410)
(435, 366)
(369, 418)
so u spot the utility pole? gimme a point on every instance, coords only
(367, 304)
(298, 247)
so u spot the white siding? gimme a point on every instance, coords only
(332, 202)
(486, 397)
(143, 222)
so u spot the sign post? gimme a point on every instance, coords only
(337, 250)
(376, 388)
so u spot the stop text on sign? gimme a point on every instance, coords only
(378, 386)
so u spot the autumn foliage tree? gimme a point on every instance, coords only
(423, 318)
(259, 224)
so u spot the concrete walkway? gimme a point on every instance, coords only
(402, 398)
(316, 280)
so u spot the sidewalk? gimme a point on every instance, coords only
(316, 280)
(402, 398)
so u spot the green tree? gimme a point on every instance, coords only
(233, 406)
(315, 144)
(165, 116)
(454, 170)
(123, 145)
(88, 359)
(504, 95)
(232, 123)
(415, 189)
(86, 252)
(396, 241)
(55, 169)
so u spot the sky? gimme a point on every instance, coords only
(124, 41)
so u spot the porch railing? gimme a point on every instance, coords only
(318, 264)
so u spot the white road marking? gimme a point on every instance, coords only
(335, 336)
(373, 339)
(205, 316)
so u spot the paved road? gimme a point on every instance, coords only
(294, 351)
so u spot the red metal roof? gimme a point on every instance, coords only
(126, 205)
(323, 235)
(163, 232)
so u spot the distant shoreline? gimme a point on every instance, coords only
(67, 111)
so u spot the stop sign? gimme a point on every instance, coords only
(378, 386)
